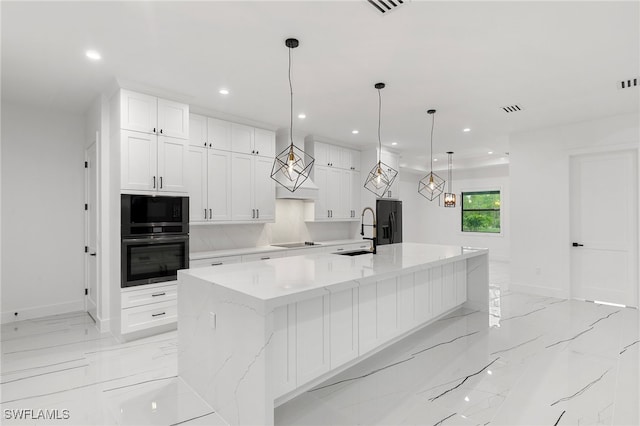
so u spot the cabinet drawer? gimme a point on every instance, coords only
(149, 295)
(366, 245)
(214, 261)
(147, 316)
(260, 256)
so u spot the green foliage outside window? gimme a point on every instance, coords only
(481, 211)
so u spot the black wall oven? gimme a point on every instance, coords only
(155, 238)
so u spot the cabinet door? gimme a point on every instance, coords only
(321, 152)
(345, 158)
(265, 189)
(138, 167)
(219, 184)
(196, 174)
(172, 155)
(265, 143)
(219, 134)
(198, 130)
(320, 176)
(242, 139)
(345, 209)
(334, 180)
(242, 187)
(392, 161)
(356, 189)
(138, 112)
(173, 119)
(355, 160)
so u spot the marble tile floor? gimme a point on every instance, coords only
(532, 361)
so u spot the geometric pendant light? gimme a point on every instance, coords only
(432, 185)
(292, 166)
(381, 176)
(449, 197)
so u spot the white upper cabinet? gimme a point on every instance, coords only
(172, 155)
(242, 139)
(173, 119)
(264, 142)
(219, 185)
(139, 164)
(149, 114)
(253, 193)
(196, 166)
(219, 134)
(393, 161)
(354, 163)
(198, 130)
(138, 112)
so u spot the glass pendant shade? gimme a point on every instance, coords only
(449, 197)
(380, 179)
(292, 167)
(431, 186)
(381, 176)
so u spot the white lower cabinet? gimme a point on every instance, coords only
(260, 256)
(214, 261)
(321, 334)
(145, 307)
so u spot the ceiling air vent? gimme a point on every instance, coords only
(512, 108)
(384, 6)
(625, 84)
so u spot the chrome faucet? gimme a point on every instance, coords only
(362, 225)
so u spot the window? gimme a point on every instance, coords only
(481, 211)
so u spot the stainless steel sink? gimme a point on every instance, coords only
(354, 253)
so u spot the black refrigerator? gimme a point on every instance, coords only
(389, 221)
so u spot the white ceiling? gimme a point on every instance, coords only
(559, 60)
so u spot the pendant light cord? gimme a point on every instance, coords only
(379, 115)
(291, 103)
(431, 153)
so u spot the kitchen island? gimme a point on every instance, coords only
(252, 336)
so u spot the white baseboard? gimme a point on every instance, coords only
(104, 325)
(41, 311)
(539, 291)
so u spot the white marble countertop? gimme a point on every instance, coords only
(263, 249)
(275, 282)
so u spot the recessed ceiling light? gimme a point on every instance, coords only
(394, 143)
(93, 55)
(466, 129)
(355, 132)
(435, 159)
(302, 115)
(490, 152)
(223, 91)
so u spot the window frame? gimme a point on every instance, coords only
(500, 211)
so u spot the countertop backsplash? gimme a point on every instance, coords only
(288, 227)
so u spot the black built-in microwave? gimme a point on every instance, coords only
(154, 215)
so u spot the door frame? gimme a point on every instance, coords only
(631, 146)
(94, 144)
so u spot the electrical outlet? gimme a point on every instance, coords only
(212, 320)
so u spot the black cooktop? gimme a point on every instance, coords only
(294, 245)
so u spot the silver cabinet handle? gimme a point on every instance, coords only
(210, 214)
(257, 213)
(160, 182)
(253, 213)
(158, 294)
(265, 258)
(340, 249)
(205, 213)
(216, 264)
(157, 315)
(154, 182)
(328, 213)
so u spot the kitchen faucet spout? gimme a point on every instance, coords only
(373, 225)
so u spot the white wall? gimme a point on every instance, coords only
(288, 227)
(42, 212)
(426, 221)
(540, 240)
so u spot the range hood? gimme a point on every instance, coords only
(307, 190)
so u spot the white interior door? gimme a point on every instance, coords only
(604, 226)
(91, 219)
